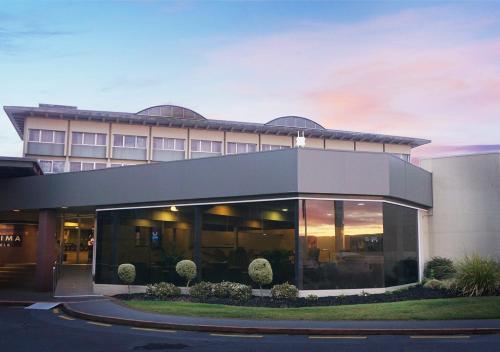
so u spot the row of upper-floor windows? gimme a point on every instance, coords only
(89, 139)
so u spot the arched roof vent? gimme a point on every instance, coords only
(171, 111)
(295, 121)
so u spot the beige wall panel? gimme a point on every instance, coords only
(399, 149)
(89, 126)
(169, 132)
(207, 135)
(339, 145)
(276, 140)
(242, 137)
(48, 157)
(133, 130)
(369, 147)
(46, 124)
(315, 143)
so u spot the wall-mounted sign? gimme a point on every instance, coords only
(11, 240)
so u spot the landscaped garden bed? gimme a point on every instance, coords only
(412, 293)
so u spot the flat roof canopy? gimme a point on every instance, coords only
(18, 167)
(272, 174)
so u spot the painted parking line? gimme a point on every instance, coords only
(238, 335)
(98, 324)
(155, 330)
(439, 337)
(339, 337)
(65, 317)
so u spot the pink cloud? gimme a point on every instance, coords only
(430, 73)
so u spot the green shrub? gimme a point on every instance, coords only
(311, 298)
(260, 272)
(162, 290)
(202, 289)
(433, 284)
(187, 270)
(126, 273)
(477, 276)
(233, 290)
(439, 268)
(285, 291)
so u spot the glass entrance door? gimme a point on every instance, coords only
(78, 240)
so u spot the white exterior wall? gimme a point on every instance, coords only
(466, 214)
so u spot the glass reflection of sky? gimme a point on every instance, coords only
(360, 218)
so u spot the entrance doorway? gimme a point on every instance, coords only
(77, 245)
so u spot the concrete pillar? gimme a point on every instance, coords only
(45, 252)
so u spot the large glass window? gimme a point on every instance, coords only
(154, 240)
(400, 245)
(160, 143)
(235, 234)
(341, 244)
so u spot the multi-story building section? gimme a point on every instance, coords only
(65, 138)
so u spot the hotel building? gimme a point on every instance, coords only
(344, 212)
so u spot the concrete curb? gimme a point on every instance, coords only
(271, 330)
(16, 303)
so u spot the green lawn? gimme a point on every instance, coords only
(431, 309)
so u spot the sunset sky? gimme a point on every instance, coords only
(421, 69)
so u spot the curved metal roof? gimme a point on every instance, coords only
(18, 114)
(295, 121)
(175, 111)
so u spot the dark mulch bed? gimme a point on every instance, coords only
(412, 293)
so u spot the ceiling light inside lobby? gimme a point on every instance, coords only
(173, 208)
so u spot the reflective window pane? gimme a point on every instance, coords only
(141, 142)
(34, 135)
(100, 166)
(206, 146)
(129, 141)
(77, 138)
(157, 143)
(75, 166)
(87, 166)
(170, 143)
(58, 166)
(118, 140)
(195, 145)
(59, 137)
(235, 234)
(47, 136)
(252, 148)
(89, 138)
(216, 147)
(101, 139)
(231, 148)
(179, 144)
(46, 166)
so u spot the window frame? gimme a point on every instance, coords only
(164, 143)
(212, 144)
(40, 132)
(40, 161)
(237, 146)
(123, 137)
(96, 134)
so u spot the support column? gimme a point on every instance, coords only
(45, 251)
(197, 240)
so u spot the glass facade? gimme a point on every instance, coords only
(315, 244)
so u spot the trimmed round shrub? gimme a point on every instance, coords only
(285, 291)
(202, 289)
(187, 270)
(477, 276)
(126, 273)
(232, 290)
(260, 272)
(439, 268)
(162, 290)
